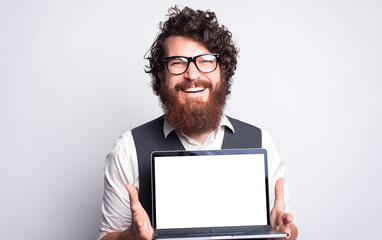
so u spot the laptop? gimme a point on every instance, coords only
(214, 194)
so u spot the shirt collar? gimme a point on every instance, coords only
(167, 128)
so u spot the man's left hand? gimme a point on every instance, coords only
(281, 220)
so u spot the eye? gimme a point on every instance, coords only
(178, 61)
(205, 59)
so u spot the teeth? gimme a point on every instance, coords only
(195, 89)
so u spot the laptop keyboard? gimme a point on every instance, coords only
(217, 231)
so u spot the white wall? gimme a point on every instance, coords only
(72, 81)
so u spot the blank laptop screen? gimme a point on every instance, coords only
(210, 191)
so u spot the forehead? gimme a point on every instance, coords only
(184, 46)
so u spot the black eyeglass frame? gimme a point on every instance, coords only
(191, 59)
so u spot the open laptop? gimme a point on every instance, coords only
(218, 194)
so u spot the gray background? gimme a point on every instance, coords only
(72, 81)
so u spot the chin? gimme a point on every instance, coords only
(197, 101)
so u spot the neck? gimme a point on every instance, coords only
(199, 137)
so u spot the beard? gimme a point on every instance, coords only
(194, 116)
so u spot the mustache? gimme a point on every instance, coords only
(190, 84)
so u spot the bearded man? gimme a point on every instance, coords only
(192, 62)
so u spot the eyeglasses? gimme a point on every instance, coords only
(206, 63)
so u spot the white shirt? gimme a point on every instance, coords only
(121, 167)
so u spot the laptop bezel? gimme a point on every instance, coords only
(207, 152)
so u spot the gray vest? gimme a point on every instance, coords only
(149, 137)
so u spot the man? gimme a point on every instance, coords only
(192, 62)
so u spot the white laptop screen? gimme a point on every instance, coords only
(210, 191)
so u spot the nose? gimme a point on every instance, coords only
(192, 72)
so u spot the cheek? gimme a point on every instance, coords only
(216, 76)
(171, 81)
(215, 79)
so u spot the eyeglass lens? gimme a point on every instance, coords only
(205, 63)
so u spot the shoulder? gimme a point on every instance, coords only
(268, 141)
(266, 136)
(244, 127)
(125, 144)
(158, 122)
(122, 147)
(239, 123)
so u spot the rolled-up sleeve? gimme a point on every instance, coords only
(121, 167)
(276, 170)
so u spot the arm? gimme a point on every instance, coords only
(281, 220)
(140, 227)
(121, 167)
(280, 198)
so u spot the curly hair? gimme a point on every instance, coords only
(202, 26)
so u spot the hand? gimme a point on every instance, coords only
(281, 220)
(140, 227)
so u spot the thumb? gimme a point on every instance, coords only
(287, 218)
(279, 194)
(134, 201)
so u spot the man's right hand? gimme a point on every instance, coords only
(140, 226)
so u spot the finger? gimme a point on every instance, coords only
(134, 201)
(286, 230)
(287, 218)
(279, 194)
(284, 218)
(279, 189)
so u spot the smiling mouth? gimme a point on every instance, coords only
(193, 90)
